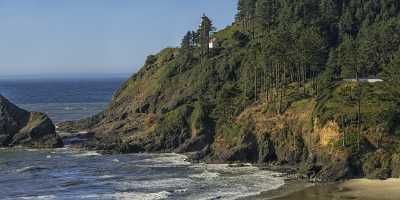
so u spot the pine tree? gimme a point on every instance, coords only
(247, 14)
(205, 29)
(264, 14)
(241, 10)
(195, 39)
(186, 43)
(391, 74)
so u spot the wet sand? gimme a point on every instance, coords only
(357, 189)
(290, 187)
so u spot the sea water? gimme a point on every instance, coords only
(61, 99)
(71, 174)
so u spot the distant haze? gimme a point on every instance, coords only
(84, 37)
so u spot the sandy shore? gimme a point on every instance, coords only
(357, 189)
(371, 189)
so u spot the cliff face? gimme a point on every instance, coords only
(196, 107)
(22, 128)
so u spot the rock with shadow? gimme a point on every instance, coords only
(19, 127)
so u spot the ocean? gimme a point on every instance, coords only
(61, 99)
(73, 174)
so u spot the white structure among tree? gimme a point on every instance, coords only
(211, 43)
(364, 80)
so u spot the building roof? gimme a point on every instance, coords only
(366, 80)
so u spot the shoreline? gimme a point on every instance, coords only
(290, 187)
(294, 187)
(297, 188)
(292, 181)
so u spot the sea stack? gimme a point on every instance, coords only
(19, 127)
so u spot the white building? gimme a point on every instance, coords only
(212, 43)
(364, 80)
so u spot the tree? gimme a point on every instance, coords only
(186, 43)
(348, 58)
(241, 10)
(264, 14)
(195, 38)
(205, 29)
(391, 74)
(246, 14)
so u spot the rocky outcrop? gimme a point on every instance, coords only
(19, 127)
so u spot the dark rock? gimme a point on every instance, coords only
(198, 156)
(240, 153)
(193, 144)
(266, 151)
(22, 128)
(334, 171)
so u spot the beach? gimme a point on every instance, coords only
(356, 189)
(371, 189)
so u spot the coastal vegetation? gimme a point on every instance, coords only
(272, 89)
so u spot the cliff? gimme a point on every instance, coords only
(270, 94)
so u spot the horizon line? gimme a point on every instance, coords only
(66, 75)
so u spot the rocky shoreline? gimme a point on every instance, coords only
(297, 185)
(290, 173)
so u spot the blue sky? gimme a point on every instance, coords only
(96, 36)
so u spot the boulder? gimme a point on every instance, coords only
(19, 127)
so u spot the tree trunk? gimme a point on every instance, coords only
(359, 114)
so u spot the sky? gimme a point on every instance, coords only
(71, 37)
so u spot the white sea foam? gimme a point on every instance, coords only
(82, 132)
(87, 153)
(234, 181)
(221, 181)
(107, 177)
(46, 197)
(129, 196)
(154, 184)
(141, 196)
(205, 175)
(181, 190)
(166, 160)
(31, 150)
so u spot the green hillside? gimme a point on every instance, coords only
(273, 89)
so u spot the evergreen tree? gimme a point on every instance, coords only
(205, 29)
(391, 74)
(195, 39)
(246, 14)
(241, 10)
(265, 14)
(186, 43)
(349, 58)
